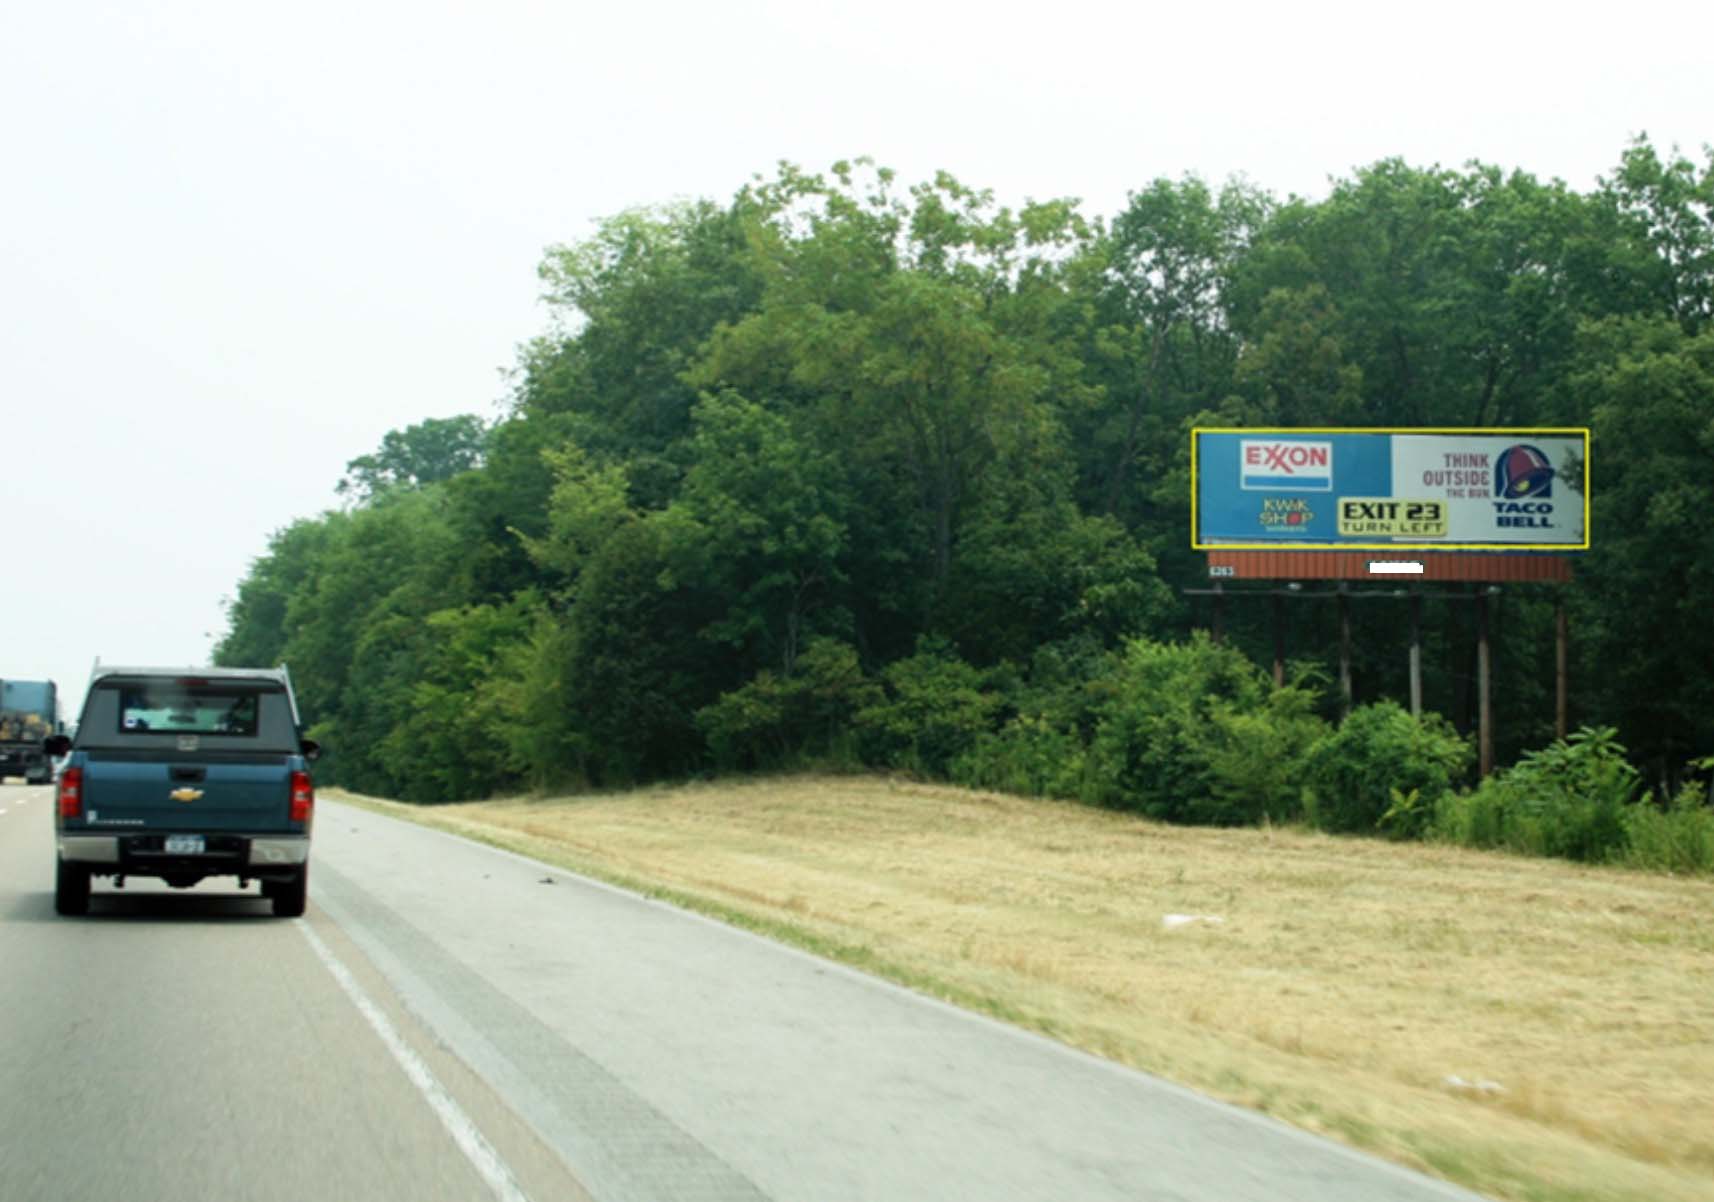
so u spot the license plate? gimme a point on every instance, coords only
(184, 845)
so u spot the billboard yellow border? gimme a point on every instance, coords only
(1283, 545)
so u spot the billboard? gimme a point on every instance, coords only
(1476, 489)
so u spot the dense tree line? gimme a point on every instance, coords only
(843, 468)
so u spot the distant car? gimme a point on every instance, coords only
(184, 774)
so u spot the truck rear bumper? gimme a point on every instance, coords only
(132, 853)
(89, 849)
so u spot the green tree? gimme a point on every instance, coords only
(906, 331)
(1294, 372)
(1455, 294)
(433, 450)
(1659, 217)
(1641, 588)
(761, 523)
(1162, 345)
(256, 631)
(633, 303)
(455, 738)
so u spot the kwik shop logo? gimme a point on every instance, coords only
(1523, 480)
(1283, 466)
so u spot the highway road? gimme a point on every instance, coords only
(454, 1022)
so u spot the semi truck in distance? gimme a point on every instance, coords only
(29, 713)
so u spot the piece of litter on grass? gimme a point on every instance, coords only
(1174, 921)
(1458, 1082)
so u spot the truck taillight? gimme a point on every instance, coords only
(303, 797)
(70, 793)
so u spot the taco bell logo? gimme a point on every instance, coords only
(1523, 471)
(1276, 464)
(1523, 480)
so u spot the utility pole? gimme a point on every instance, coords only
(1344, 650)
(1484, 701)
(1279, 639)
(1415, 654)
(1561, 685)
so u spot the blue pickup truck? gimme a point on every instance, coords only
(182, 774)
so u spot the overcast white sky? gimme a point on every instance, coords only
(240, 242)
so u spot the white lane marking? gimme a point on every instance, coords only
(481, 1154)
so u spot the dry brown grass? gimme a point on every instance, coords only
(1348, 980)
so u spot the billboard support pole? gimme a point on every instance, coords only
(1561, 676)
(1344, 650)
(1217, 624)
(1415, 654)
(1484, 699)
(1279, 640)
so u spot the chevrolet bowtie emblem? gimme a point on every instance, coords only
(185, 794)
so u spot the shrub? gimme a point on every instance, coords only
(776, 720)
(1383, 764)
(1571, 800)
(1029, 756)
(934, 710)
(1043, 750)
(1256, 759)
(1194, 732)
(1678, 838)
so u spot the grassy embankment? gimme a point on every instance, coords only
(1348, 980)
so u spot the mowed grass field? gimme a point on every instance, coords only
(1531, 1029)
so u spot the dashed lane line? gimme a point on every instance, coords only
(481, 1154)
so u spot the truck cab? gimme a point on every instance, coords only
(185, 774)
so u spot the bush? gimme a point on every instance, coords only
(1194, 732)
(1043, 750)
(1572, 799)
(777, 720)
(1029, 756)
(934, 710)
(1383, 770)
(1256, 759)
(1678, 838)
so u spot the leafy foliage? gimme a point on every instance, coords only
(1381, 763)
(1678, 837)
(1568, 800)
(844, 467)
(431, 451)
(1194, 732)
(805, 715)
(934, 710)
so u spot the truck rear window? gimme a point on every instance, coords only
(179, 709)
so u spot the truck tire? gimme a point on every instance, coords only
(290, 897)
(71, 889)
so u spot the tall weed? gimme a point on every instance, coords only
(1573, 799)
(1676, 838)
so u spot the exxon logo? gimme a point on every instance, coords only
(1279, 465)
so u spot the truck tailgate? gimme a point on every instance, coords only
(151, 794)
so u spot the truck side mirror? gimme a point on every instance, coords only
(56, 745)
(310, 748)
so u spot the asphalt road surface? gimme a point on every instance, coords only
(454, 1022)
